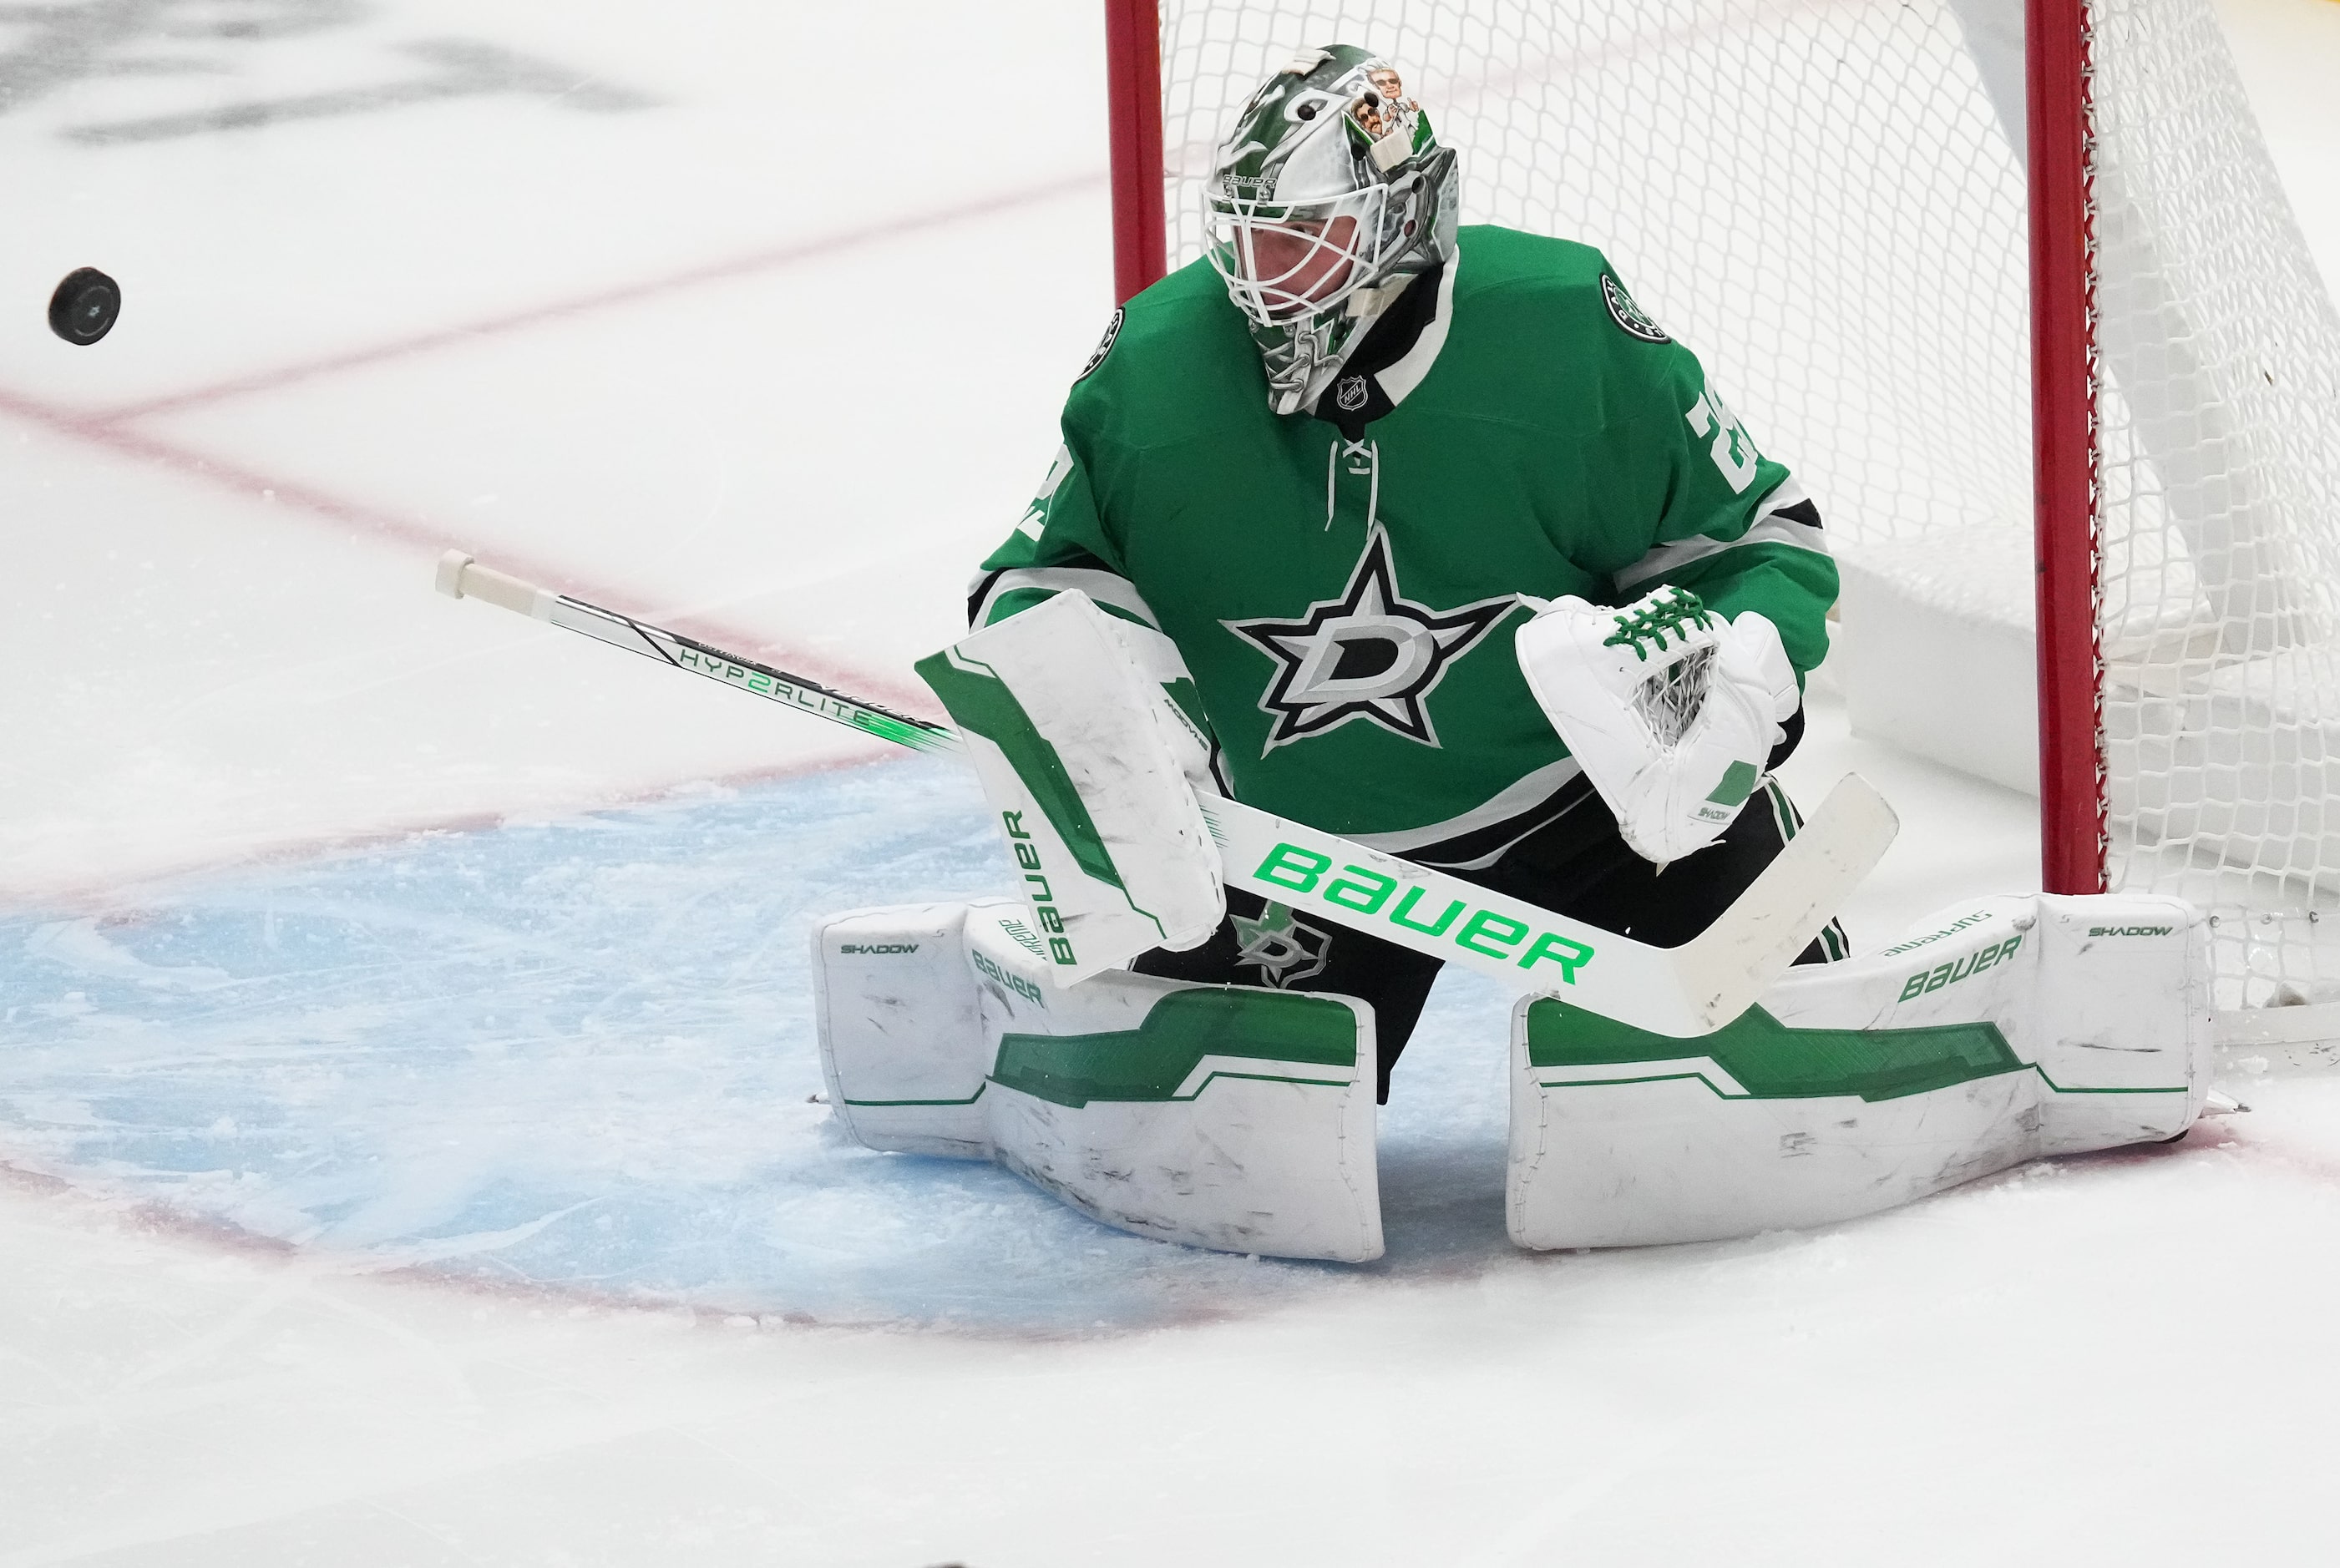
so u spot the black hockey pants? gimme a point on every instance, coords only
(1575, 864)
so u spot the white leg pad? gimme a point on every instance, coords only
(1225, 1117)
(900, 1024)
(1997, 1032)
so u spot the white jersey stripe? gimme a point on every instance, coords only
(1104, 588)
(1522, 794)
(1768, 528)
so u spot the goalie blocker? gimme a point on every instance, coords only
(1091, 772)
(1243, 1119)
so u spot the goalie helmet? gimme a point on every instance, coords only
(1330, 195)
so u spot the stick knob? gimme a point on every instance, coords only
(450, 573)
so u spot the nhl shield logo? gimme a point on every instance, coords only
(1351, 395)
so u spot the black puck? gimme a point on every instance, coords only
(85, 306)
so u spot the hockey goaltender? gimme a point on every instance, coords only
(1430, 538)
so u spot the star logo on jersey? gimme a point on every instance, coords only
(1282, 949)
(1373, 654)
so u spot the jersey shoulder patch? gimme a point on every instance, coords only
(1105, 347)
(1622, 310)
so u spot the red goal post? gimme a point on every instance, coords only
(2013, 286)
(2072, 806)
(1133, 44)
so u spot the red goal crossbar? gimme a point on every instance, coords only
(2073, 838)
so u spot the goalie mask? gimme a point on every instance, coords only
(1330, 195)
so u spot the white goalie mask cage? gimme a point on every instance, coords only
(1285, 260)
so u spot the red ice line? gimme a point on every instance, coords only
(110, 895)
(113, 428)
(625, 294)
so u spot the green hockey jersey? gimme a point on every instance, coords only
(1344, 599)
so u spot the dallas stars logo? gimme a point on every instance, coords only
(1373, 654)
(1282, 949)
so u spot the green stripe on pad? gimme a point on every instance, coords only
(1772, 1061)
(1738, 783)
(982, 705)
(1151, 1061)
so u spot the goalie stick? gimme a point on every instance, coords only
(1687, 990)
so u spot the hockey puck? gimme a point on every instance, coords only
(85, 306)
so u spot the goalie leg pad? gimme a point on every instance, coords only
(1996, 1033)
(1225, 1117)
(899, 1019)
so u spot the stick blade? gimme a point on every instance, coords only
(1733, 961)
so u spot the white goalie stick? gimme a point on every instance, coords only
(1687, 990)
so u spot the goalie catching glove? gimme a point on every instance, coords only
(1672, 710)
(1092, 770)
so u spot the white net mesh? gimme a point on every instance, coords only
(1669, 699)
(1826, 202)
(2220, 511)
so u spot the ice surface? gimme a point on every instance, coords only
(579, 1054)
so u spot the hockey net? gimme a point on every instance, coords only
(1828, 202)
